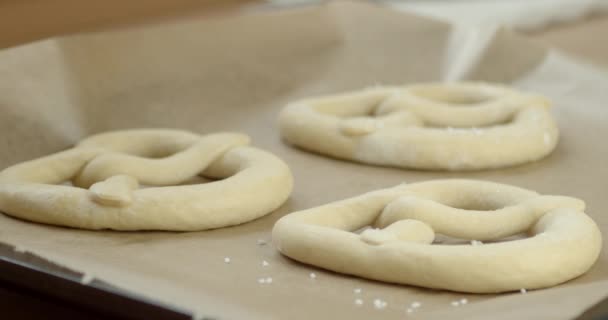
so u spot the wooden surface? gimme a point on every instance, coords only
(18, 303)
(23, 21)
(27, 20)
(33, 288)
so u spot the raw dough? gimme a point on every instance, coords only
(464, 126)
(563, 244)
(106, 170)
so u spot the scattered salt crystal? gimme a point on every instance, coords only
(357, 290)
(358, 302)
(410, 310)
(313, 275)
(416, 304)
(269, 280)
(19, 249)
(523, 291)
(380, 304)
(227, 260)
(261, 242)
(265, 263)
(87, 278)
(476, 243)
(455, 303)
(261, 280)
(464, 301)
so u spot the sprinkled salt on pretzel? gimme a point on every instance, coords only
(463, 126)
(107, 170)
(563, 243)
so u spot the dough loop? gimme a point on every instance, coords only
(464, 126)
(107, 169)
(563, 241)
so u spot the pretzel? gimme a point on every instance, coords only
(107, 170)
(563, 241)
(464, 126)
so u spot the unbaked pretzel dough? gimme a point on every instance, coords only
(464, 126)
(106, 170)
(563, 241)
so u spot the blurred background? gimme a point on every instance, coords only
(578, 27)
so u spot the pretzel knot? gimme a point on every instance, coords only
(563, 241)
(106, 171)
(466, 126)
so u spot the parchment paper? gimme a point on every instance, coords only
(236, 73)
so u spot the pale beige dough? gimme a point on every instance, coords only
(107, 169)
(461, 126)
(563, 241)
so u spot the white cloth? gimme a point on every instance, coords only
(517, 14)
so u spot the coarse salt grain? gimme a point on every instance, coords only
(476, 243)
(416, 304)
(357, 290)
(269, 280)
(261, 280)
(19, 249)
(87, 278)
(227, 260)
(261, 242)
(379, 304)
(312, 275)
(464, 301)
(265, 263)
(455, 303)
(358, 302)
(523, 290)
(410, 310)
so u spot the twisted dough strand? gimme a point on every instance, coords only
(485, 126)
(112, 165)
(564, 241)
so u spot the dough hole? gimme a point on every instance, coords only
(458, 97)
(478, 129)
(472, 203)
(475, 205)
(442, 239)
(192, 181)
